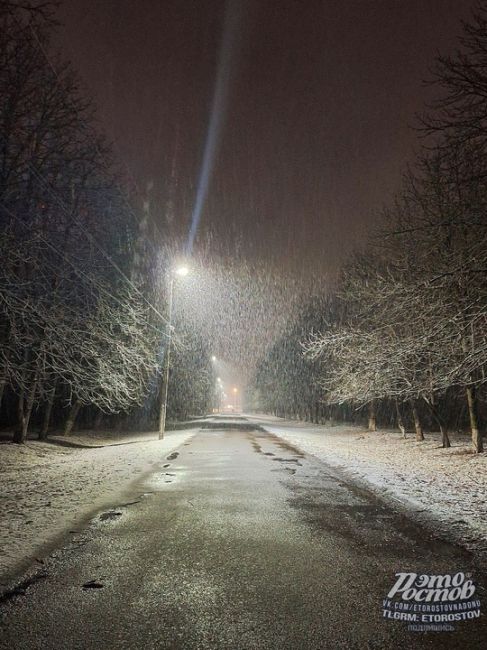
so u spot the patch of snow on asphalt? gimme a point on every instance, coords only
(46, 489)
(450, 484)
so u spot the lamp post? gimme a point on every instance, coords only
(182, 271)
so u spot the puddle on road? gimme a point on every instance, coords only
(287, 460)
(167, 477)
(262, 440)
(364, 521)
(110, 515)
(328, 502)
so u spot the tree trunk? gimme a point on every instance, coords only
(72, 418)
(417, 422)
(98, 420)
(400, 421)
(24, 412)
(322, 414)
(19, 437)
(445, 439)
(2, 388)
(47, 414)
(372, 416)
(474, 422)
(329, 415)
(30, 404)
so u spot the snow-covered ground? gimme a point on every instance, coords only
(450, 484)
(46, 489)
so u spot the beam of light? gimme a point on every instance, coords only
(218, 107)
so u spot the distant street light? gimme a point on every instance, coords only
(182, 271)
(213, 358)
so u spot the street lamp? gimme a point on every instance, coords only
(182, 271)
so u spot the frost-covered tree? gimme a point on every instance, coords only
(416, 303)
(415, 325)
(73, 326)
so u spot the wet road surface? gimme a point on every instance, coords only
(237, 541)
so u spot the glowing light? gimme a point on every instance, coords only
(182, 270)
(230, 28)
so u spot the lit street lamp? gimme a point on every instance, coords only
(181, 271)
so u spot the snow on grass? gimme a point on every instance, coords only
(46, 489)
(450, 484)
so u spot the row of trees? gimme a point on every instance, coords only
(81, 322)
(406, 328)
(73, 327)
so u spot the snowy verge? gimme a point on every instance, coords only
(46, 489)
(448, 484)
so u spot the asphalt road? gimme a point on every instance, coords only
(237, 541)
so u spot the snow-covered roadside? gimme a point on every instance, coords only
(450, 484)
(47, 489)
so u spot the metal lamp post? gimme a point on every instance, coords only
(181, 270)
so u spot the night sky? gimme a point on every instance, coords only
(321, 97)
(316, 131)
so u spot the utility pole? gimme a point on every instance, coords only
(181, 270)
(167, 358)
